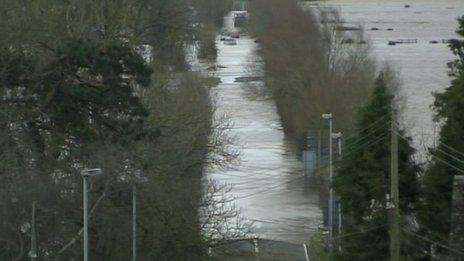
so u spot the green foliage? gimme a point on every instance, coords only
(80, 94)
(210, 14)
(435, 215)
(212, 11)
(75, 94)
(84, 81)
(318, 246)
(363, 179)
(167, 27)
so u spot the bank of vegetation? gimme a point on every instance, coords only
(314, 66)
(429, 198)
(211, 17)
(105, 84)
(307, 68)
(441, 214)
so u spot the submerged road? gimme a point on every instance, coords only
(268, 184)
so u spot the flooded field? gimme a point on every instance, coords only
(421, 66)
(268, 184)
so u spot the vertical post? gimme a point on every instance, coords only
(33, 251)
(319, 150)
(339, 203)
(330, 183)
(329, 117)
(85, 217)
(394, 192)
(86, 174)
(256, 244)
(134, 222)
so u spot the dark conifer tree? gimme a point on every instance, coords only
(438, 180)
(363, 180)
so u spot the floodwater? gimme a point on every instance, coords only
(268, 183)
(422, 66)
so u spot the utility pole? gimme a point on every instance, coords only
(85, 217)
(394, 194)
(328, 116)
(86, 174)
(33, 255)
(134, 222)
(138, 178)
(339, 204)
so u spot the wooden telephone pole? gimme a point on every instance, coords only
(394, 194)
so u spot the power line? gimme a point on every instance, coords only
(366, 144)
(365, 136)
(436, 157)
(434, 242)
(269, 188)
(359, 232)
(449, 155)
(375, 122)
(452, 149)
(448, 164)
(258, 171)
(350, 145)
(280, 223)
(434, 234)
(438, 149)
(278, 185)
(255, 175)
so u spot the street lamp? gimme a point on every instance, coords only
(137, 179)
(329, 117)
(86, 174)
(33, 255)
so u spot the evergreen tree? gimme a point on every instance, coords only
(59, 111)
(363, 180)
(438, 180)
(83, 92)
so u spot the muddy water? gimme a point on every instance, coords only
(422, 66)
(268, 184)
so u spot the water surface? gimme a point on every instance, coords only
(268, 184)
(422, 66)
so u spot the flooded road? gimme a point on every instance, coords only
(422, 66)
(268, 184)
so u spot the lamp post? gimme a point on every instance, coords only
(86, 174)
(137, 179)
(329, 117)
(33, 255)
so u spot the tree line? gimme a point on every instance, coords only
(428, 231)
(309, 70)
(105, 84)
(305, 61)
